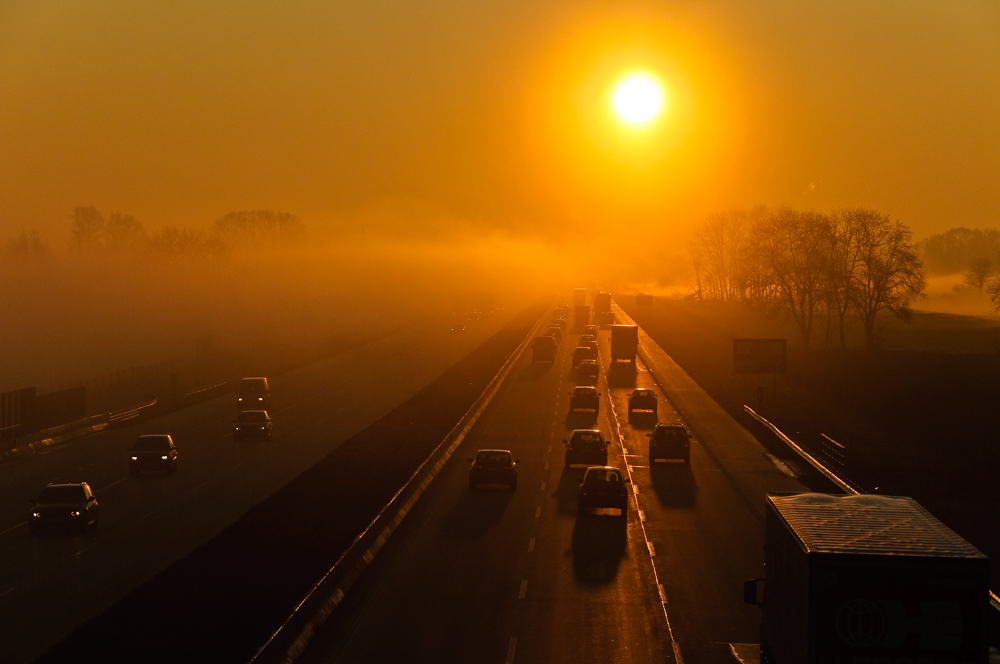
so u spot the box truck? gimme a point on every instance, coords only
(624, 342)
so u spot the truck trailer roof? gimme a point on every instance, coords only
(869, 525)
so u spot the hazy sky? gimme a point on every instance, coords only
(497, 112)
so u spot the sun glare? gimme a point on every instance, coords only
(638, 99)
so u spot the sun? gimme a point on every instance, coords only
(638, 98)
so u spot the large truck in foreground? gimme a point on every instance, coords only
(868, 579)
(624, 342)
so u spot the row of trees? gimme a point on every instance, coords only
(808, 264)
(90, 230)
(957, 249)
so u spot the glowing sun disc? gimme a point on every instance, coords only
(637, 99)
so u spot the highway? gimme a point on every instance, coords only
(520, 576)
(50, 585)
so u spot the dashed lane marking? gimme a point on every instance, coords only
(546, 465)
(511, 647)
(86, 548)
(652, 549)
(8, 591)
(780, 465)
(635, 487)
(538, 512)
(550, 448)
(543, 486)
(23, 523)
(642, 515)
(531, 545)
(663, 593)
(111, 485)
(524, 589)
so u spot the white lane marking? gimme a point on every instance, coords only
(543, 486)
(633, 455)
(635, 487)
(8, 591)
(652, 549)
(86, 548)
(749, 651)
(636, 466)
(23, 523)
(546, 465)
(200, 485)
(780, 465)
(510, 650)
(538, 512)
(531, 545)
(642, 515)
(677, 653)
(149, 514)
(524, 589)
(550, 448)
(111, 485)
(663, 593)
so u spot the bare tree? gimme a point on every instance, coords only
(979, 272)
(793, 246)
(86, 227)
(888, 274)
(721, 250)
(841, 264)
(26, 244)
(175, 241)
(258, 228)
(123, 231)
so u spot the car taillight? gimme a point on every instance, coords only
(604, 448)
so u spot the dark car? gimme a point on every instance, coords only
(560, 323)
(669, 442)
(252, 424)
(591, 343)
(543, 349)
(492, 468)
(606, 318)
(642, 399)
(153, 453)
(590, 331)
(588, 371)
(62, 507)
(586, 447)
(604, 487)
(555, 332)
(581, 353)
(253, 394)
(584, 397)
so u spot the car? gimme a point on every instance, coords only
(590, 331)
(581, 353)
(642, 399)
(561, 311)
(588, 371)
(591, 343)
(555, 332)
(253, 394)
(560, 323)
(252, 424)
(153, 453)
(669, 442)
(492, 468)
(604, 487)
(585, 448)
(584, 397)
(63, 507)
(457, 327)
(606, 318)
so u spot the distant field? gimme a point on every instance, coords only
(919, 416)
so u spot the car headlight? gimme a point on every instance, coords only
(36, 514)
(135, 458)
(237, 427)
(77, 513)
(260, 398)
(164, 458)
(239, 398)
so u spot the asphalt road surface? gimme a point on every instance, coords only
(522, 576)
(50, 585)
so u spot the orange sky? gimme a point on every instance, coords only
(496, 113)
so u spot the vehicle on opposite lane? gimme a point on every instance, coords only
(642, 399)
(153, 452)
(669, 442)
(585, 448)
(253, 394)
(604, 487)
(493, 467)
(251, 424)
(65, 507)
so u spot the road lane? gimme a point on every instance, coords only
(150, 521)
(520, 577)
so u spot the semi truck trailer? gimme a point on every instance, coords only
(868, 579)
(602, 303)
(624, 342)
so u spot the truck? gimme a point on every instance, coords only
(579, 296)
(866, 579)
(602, 302)
(624, 342)
(581, 314)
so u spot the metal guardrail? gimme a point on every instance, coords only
(122, 416)
(290, 640)
(208, 392)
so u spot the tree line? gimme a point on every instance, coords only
(852, 261)
(90, 230)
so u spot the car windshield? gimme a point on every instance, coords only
(252, 416)
(489, 458)
(255, 386)
(586, 440)
(644, 393)
(584, 392)
(602, 477)
(147, 443)
(61, 494)
(668, 432)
